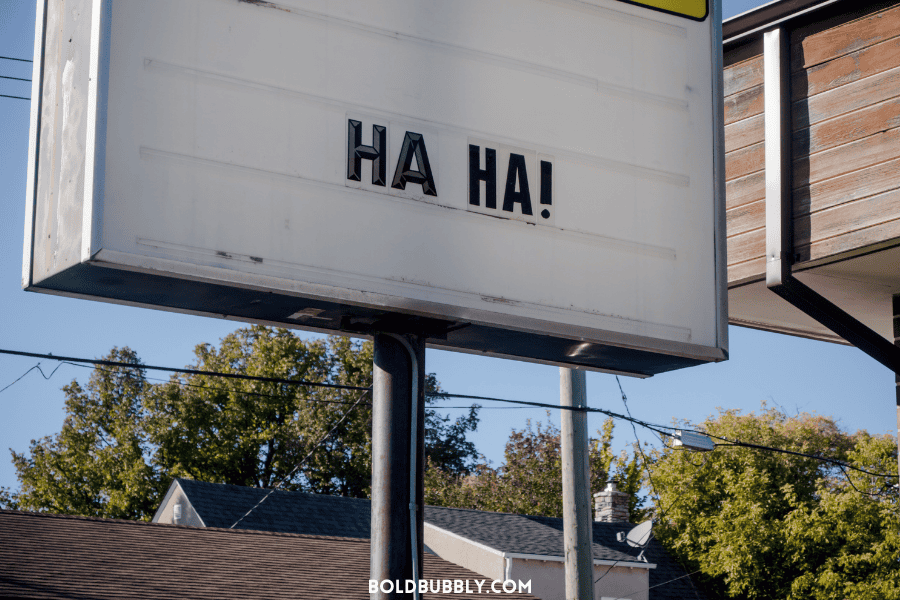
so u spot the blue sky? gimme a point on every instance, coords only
(794, 373)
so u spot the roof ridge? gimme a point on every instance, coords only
(29, 514)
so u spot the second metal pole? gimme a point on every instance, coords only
(576, 484)
(392, 403)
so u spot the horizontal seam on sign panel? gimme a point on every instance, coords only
(589, 7)
(609, 242)
(668, 177)
(480, 55)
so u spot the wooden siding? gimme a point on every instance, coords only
(745, 185)
(846, 139)
(845, 87)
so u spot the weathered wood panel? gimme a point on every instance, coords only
(745, 190)
(744, 104)
(746, 272)
(846, 143)
(743, 75)
(810, 50)
(744, 165)
(846, 228)
(747, 246)
(847, 188)
(745, 161)
(847, 98)
(858, 155)
(847, 69)
(847, 128)
(744, 133)
(747, 217)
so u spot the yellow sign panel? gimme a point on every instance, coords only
(692, 9)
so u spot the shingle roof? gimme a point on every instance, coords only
(54, 557)
(222, 505)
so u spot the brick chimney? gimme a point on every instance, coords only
(611, 505)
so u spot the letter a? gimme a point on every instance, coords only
(414, 147)
(523, 196)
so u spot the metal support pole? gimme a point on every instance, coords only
(391, 556)
(576, 484)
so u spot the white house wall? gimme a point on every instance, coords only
(465, 553)
(548, 580)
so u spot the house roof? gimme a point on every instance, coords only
(52, 557)
(222, 505)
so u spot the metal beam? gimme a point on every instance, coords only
(779, 214)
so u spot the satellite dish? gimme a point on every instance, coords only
(639, 537)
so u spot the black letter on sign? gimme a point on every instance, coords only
(376, 153)
(546, 186)
(414, 146)
(488, 176)
(523, 196)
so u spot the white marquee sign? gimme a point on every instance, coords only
(537, 179)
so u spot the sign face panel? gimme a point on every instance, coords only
(535, 179)
(692, 9)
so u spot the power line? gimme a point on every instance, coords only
(305, 458)
(38, 367)
(649, 476)
(658, 429)
(14, 97)
(113, 363)
(14, 78)
(17, 59)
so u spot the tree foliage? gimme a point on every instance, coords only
(124, 439)
(761, 524)
(530, 479)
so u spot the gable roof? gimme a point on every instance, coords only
(52, 557)
(221, 505)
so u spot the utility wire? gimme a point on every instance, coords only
(18, 59)
(656, 428)
(14, 97)
(629, 594)
(13, 78)
(832, 461)
(112, 363)
(38, 367)
(305, 458)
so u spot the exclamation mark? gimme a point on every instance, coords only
(546, 187)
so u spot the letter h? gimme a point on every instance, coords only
(488, 175)
(377, 152)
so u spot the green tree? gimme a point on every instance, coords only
(760, 524)
(124, 439)
(97, 465)
(530, 479)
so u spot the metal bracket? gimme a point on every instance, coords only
(779, 215)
